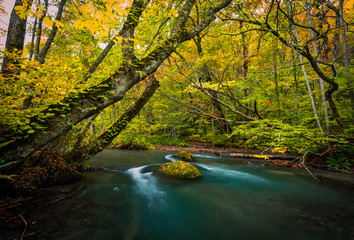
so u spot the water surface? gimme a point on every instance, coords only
(232, 201)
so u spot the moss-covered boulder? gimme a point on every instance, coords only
(185, 155)
(180, 169)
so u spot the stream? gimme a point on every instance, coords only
(126, 200)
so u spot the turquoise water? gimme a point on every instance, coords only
(232, 201)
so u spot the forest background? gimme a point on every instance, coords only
(274, 75)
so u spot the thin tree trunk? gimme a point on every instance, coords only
(346, 56)
(296, 89)
(275, 71)
(114, 130)
(296, 41)
(39, 31)
(102, 120)
(313, 104)
(245, 66)
(316, 51)
(75, 151)
(42, 54)
(33, 36)
(113, 112)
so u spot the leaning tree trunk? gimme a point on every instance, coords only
(104, 139)
(59, 118)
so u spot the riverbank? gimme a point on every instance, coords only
(323, 173)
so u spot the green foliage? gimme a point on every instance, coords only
(185, 155)
(298, 139)
(341, 157)
(166, 141)
(132, 143)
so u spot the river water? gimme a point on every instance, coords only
(126, 200)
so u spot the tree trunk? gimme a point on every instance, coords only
(245, 66)
(42, 54)
(346, 56)
(39, 31)
(102, 120)
(59, 118)
(316, 52)
(296, 42)
(270, 156)
(224, 126)
(76, 148)
(275, 71)
(114, 130)
(14, 41)
(296, 89)
(33, 36)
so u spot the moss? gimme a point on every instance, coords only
(180, 169)
(185, 155)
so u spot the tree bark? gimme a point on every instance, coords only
(39, 31)
(33, 35)
(316, 52)
(14, 41)
(42, 54)
(105, 138)
(346, 57)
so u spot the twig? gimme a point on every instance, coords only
(61, 198)
(29, 235)
(24, 220)
(303, 164)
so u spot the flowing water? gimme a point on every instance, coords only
(126, 200)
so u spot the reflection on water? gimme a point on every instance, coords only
(128, 201)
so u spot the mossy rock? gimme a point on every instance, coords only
(180, 169)
(185, 155)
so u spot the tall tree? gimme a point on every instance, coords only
(15, 38)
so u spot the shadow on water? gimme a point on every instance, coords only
(232, 201)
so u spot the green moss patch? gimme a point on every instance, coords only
(180, 169)
(185, 155)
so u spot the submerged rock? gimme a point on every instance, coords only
(185, 155)
(180, 169)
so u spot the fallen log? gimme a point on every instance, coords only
(269, 156)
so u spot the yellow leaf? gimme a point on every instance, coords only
(38, 14)
(41, 8)
(109, 7)
(87, 8)
(110, 15)
(48, 22)
(58, 23)
(99, 15)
